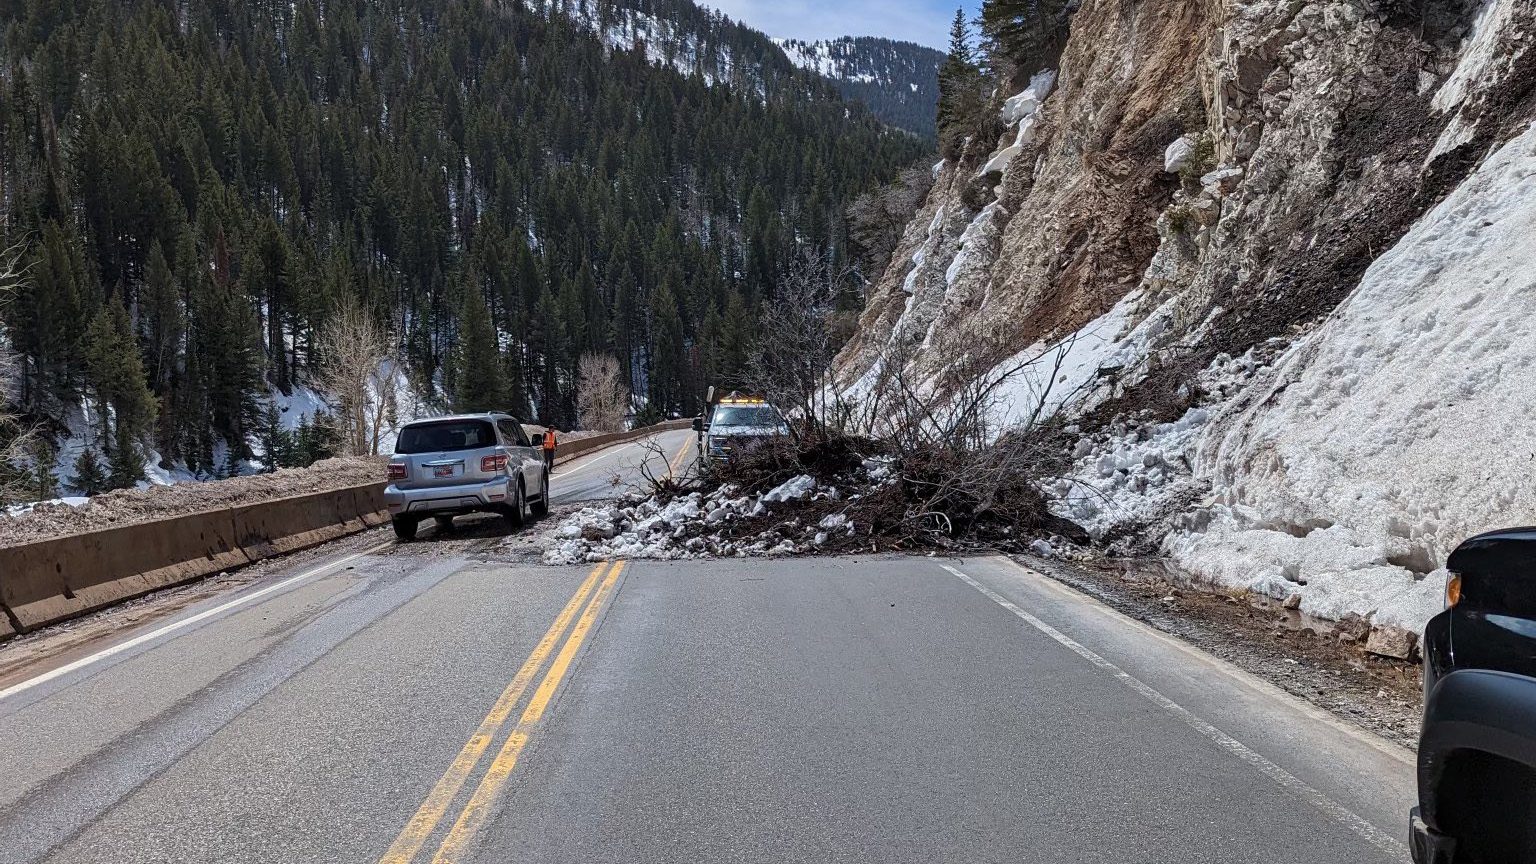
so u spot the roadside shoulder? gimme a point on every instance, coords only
(1377, 694)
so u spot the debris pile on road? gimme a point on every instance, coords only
(840, 494)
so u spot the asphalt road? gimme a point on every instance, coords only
(604, 473)
(406, 705)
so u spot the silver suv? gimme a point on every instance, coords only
(470, 463)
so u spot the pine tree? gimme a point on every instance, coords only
(43, 455)
(276, 442)
(88, 478)
(479, 383)
(315, 440)
(230, 467)
(116, 374)
(1027, 35)
(303, 444)
(52, 310)
(125, 461)
(960, 89)
(668, 372)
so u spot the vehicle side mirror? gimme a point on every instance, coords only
(538, 439)
(698, 424)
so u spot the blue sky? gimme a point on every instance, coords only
(922, 21)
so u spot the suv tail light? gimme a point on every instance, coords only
(493, 463)
(396, 471)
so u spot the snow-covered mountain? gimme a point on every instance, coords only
(686, 36)
(1262, 261)
(899, 81)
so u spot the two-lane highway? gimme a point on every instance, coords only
(404, 707)
(607, 472)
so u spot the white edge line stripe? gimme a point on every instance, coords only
(181, 624)
(613, 451)
(1242, 676)
(1370, 833)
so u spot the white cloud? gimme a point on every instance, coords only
(914, 20)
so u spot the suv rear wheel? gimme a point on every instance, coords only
(517, 508)
(540, 507)
(405, 527)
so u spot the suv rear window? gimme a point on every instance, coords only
(446, 436)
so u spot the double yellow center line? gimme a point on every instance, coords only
(430, 814)
(677, 460)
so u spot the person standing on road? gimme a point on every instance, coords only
(549, 448)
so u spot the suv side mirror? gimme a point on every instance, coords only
(698, 424)
(538, 440)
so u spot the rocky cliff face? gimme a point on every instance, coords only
(1262, 250)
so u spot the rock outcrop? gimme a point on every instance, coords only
(1245, 196)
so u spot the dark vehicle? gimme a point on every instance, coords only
(734, 420)
(1477, 751)
(466, 464)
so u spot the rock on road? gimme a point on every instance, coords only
(401, 706)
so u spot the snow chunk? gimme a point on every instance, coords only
(1178, 153)
(791, 490)
(832, 521)
(1027, 102)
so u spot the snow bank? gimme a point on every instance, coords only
(1395, 430)
(1131, 477)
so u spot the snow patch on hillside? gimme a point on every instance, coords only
(1075, 373)
(1484, 60)
(304, 404)
(1020, 111)
(1479, 53)
(664, 43)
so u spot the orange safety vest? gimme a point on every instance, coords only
(549, 438)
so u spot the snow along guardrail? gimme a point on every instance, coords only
(47, 581)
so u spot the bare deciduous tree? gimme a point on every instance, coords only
(791, 361)
(357, 374)
(877, 218)
(16, 439)
(602, 400)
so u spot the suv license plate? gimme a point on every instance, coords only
(443, 471)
